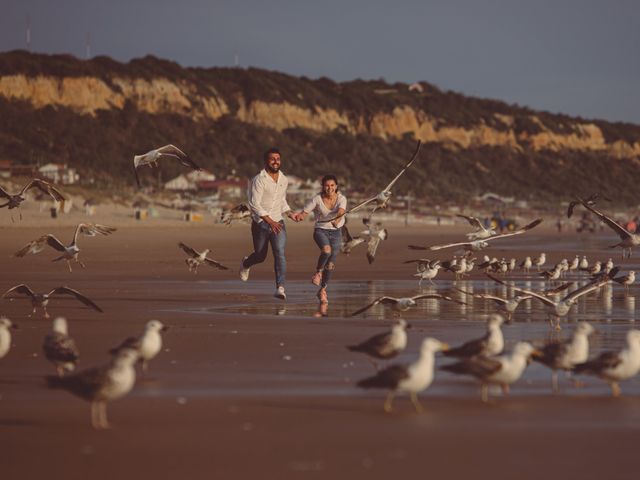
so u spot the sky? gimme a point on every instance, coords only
(576, 57)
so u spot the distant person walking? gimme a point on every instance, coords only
(268, 204)
(326, 205)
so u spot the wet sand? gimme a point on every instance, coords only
(246, 388)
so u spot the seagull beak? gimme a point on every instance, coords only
(408, 326)
(444, 347)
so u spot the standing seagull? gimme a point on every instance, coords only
(480, 232)
(41, 300)
(492, 343)
(479, 244)
(626, 280)
(69, 252)
(59, 348)
(382, 198)
(384, 345)
(14, 200)
(151, 158)
(5, 335)
(567, 354)
(100, 385)
(502, 370)
(411, 379)
(147, 345)
(404, 303)
(196, 259)
(628, 240)
(614, 367)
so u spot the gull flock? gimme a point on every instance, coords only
(483, 358)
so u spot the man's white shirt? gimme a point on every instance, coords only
(268, 197)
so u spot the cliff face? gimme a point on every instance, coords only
(307, 114)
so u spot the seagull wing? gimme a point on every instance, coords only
(385, 300)
(415, 155)
(60, 347)
(533, 224)
(478, 366)
(92, 229)
(188, 250)
(74, 293)
(85, 384)
(469, 349)
(36, 246)
(372, 246)
(173, 151)
(131, 342)
(473, 221)
(44, 187)
(389, 378)
(622, 232)
(240, 208)
(589, 287)
(604, 361)
(551, 353)
(441, 247)
(436, 296)
(484, 296)
(22, 288)
(215, 264)
(375, 345)
(4, 193)
(556, 290)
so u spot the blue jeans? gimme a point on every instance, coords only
(262, 236)
(326, 260)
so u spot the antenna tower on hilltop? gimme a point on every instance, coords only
(28, 32)
(87, 46)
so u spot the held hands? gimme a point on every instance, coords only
(296, 217)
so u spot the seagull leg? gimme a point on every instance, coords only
(60, 371)
(554, 381)
(46, 314)
(484, 393)
(388, 407)
(615, 389)
(95, 423)
(81, 264)
(375, 364)
(145, 366)
(505, 389)
(416, 403)
(69, 265)
(102, 409)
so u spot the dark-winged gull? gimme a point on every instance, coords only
(411, 379)
(403, 303)
(59, 348)
(100, 385)
(69, 252)
(236, 214)
(480, 232)
(147, 345)
(614, 367)
(41, 300)
(197, 258)
(384, 346)
(628, 240)
(501, 370)
(492, 343)
(15, 199)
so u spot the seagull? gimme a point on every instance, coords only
(613, 367)
(502, 370)
(382, 198)
(575, 264)
(5, 335)
(403, 304)
(59, 348)
(100, 385)
(41, 300)
(427, 269)
(561, 308)
(196, 259)
(584, 263)
(147, 345)
(151, 158)
(412, 378)
(489, 344)
(479, 244)
(480, 232)
(69, 252)
(14, 200)
(384, 345)
(349, 242)
(567, 354)
(237, 213)
(591, 201)
(626, 280)
(505, 305)
(628, 240)
(526, 264)
(540, 260)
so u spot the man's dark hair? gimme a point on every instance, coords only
(265, 157)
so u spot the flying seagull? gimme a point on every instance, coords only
(502, 370)
(349, 242)
(404, 303)
(590, 200)
(382, 199)
(5, 335)
(410, 379)
(614, 367)
(385, 345)
(565, 355)
(628, 240)
(100, 385)
(479, 244)
(41, 300)
(196, 259)
(427, 269)
(492, 343)
(148, 345)
(69, 252)
(373, 235)
(237, 213)
(59, 348)
(480, 232)
(14, 200)
(168, 151)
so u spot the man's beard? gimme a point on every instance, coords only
(271, 169)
